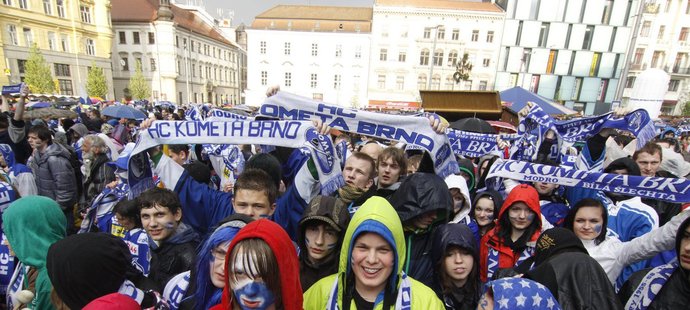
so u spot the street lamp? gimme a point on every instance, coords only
(433, 55)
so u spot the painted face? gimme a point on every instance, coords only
(484, 211)
(458, 200)
(389, 172)
(357, 173)
(321, 239)
(253, 203)
(684, 251)
(372, 263)
(425, 220)
(648, 163)
(588, 222)
(545, 188)
(458, 264)
(520, 216)
(35, 142)
(217, 262)
(159, 222)
(250, 292)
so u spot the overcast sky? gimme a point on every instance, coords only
(245, 10)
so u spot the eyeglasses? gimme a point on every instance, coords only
(218, 254)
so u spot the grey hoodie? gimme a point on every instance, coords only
(54, 174)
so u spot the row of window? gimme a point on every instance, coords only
(658, 59)
(206, 49)
(205, 71)
(455, 35)
(673, 84)
(553, 58)
(136, 37)
(287, 49)
(59, 11)
(646, 26)
(61, 71)
(56, 42)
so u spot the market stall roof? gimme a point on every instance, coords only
(460, 104)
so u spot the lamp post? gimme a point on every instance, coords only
(433, 55)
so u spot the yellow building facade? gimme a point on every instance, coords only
(71, 34)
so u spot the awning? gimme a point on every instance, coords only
(394, 105)
(669, 103)
(460, 104)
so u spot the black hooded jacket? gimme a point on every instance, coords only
(675, 294)
(562, 264)
(456, 234)
(418, 194)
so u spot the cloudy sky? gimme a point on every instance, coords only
(245, 10)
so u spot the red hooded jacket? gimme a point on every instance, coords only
(286, 255)
(491, 241)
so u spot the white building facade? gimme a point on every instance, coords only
(571, 51)
(313, 51)
(663, 42)
(416, 45)
(183, 53)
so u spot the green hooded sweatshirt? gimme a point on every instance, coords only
(32, 224)
(377, 209)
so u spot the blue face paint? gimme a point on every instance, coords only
(597, 228)
(170, 225)
(254, 296)
(530, 216)
(264, 216)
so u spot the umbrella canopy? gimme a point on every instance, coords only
(123, 111)
(38, 105)
(473, 124)
(50, 112)
(498, 125)
(517, 97)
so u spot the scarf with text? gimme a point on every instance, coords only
(667, 189)
(407, 129)
(280, 133)
(650, 286)
(472, 144)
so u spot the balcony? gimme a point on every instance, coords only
(651, 8)
(680, 71)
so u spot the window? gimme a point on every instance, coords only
(358, 52)
(193, 70)
(662, 29)
(264, 78)
(47, 7)
(52, 41)
(630, 82)
(288, 79)
(60, 5)
(402, 56)
(286, 49)
(637, 58)
(23, 4)
(62, 70)
(683, 34)
(64, 43)
(152, 38)
(424, 57)
(403, 33)
(594, 67)
(135, 37)
(577, 87)
(436, 82)
(90, 47)
(315, 49)
(384, 32)
(28, 36)
(336, 81)
(490, 37)
(606, 15)
(486, 62)
(400, 82)
(123, 37)
(456, 35)
(314, 80)
(66, 87)
(383, 54)
(427, 33)
(441, 33)
(12, 32)
(7, 2)
(21, 66)
(544, 34)
(421, 82)
(382, 81)
(475, 35)
(262, 47)
(153, 63)
(85, 13)
(438, 57)
(644, 31)
(137, 60)
(668, 5)
(453, 58)
(527, 56)
(450, 83)
(519, 34)
(177, 42)
(587, 42)
(338, 50)
(657, 59)
(673, 85)
(482, 85)
(551, 64)
(124, 63)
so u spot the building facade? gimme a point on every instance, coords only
(663, 42)
(183, 53)
(71, 34)
(571, 51)
(417, 44)
(320, 52)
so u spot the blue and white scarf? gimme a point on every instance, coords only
(407, 129)
(493, 260)
(227, 161)
(138, 242)
(650, 286)
(474, 145)
(222, 115)
(402, 302)
(667, 189)
(280, 133)
(100, 211)
(16, 284)
(176, 289)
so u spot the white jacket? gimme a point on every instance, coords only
(614, 255)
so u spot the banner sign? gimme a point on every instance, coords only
(667, 189)
(220, 115)
(407, 129)
(474, 145)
